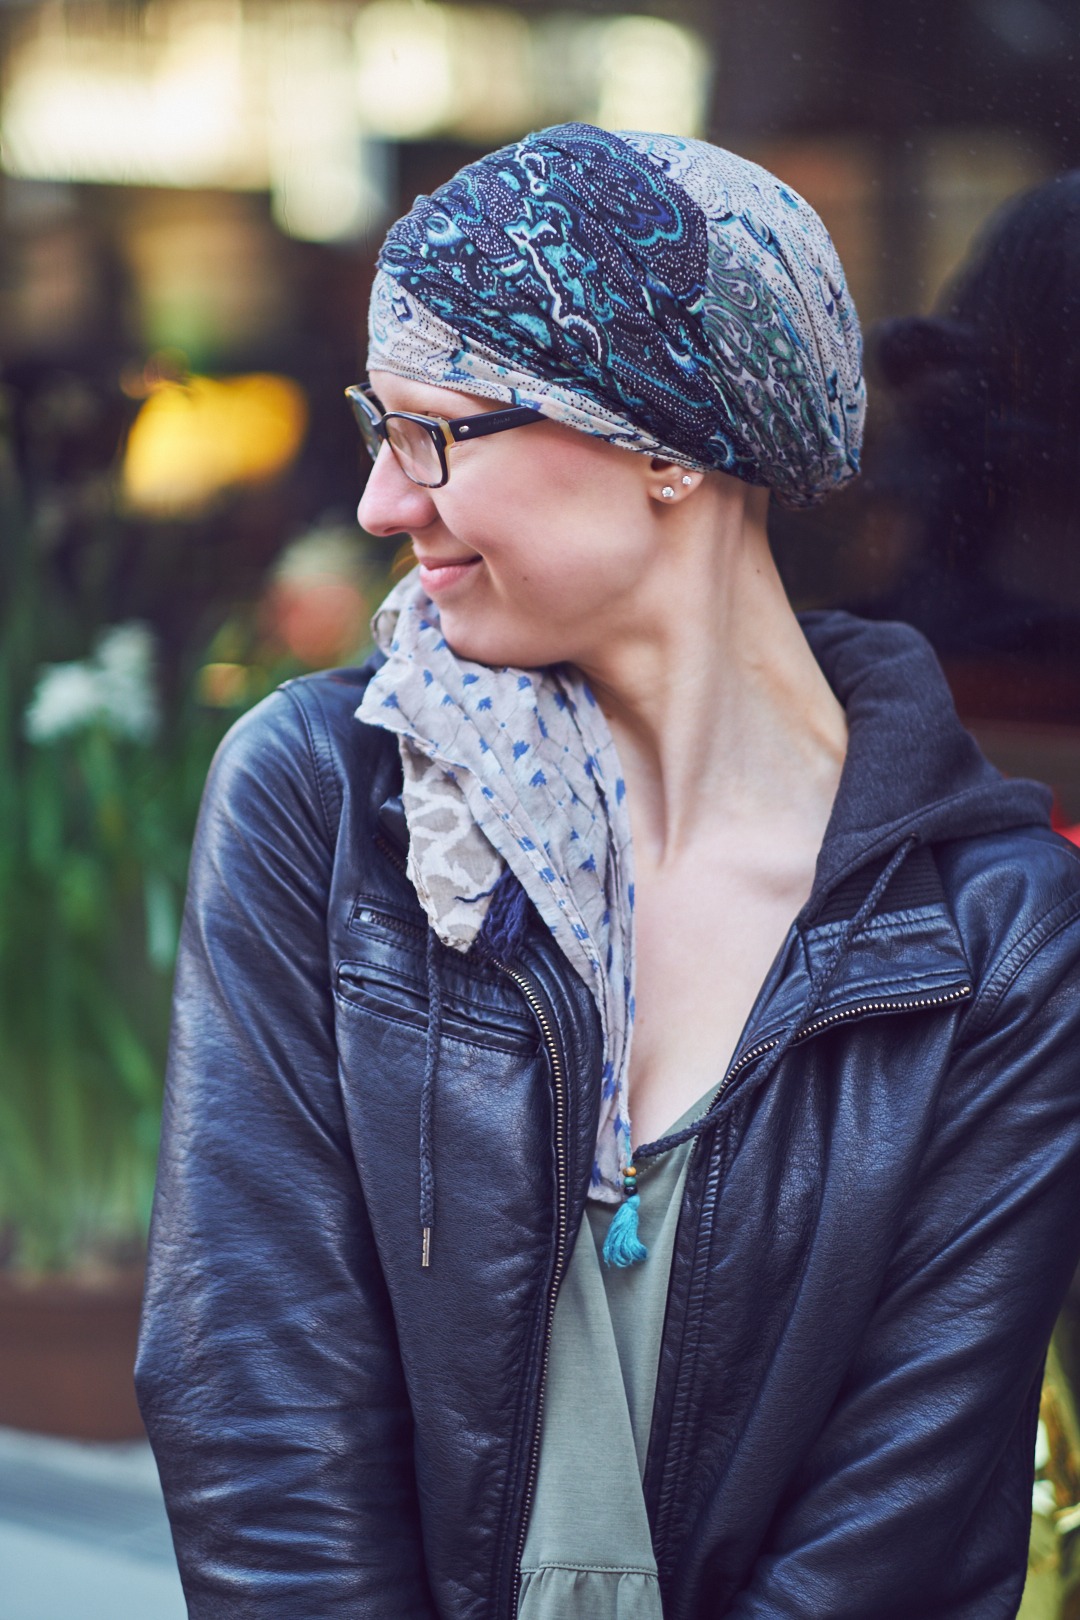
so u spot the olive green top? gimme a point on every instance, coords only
(588, 1550)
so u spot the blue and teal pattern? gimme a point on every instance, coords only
(660, 292)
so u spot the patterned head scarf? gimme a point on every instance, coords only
(659, 292)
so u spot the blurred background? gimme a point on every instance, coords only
(192, 193)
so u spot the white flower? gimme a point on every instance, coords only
(125, 664)
(114, 688)
(66, 699)
(1043, 1500)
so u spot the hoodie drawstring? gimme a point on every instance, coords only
(427, 1098)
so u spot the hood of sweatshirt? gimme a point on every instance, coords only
(912, 771)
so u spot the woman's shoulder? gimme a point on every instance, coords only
(1018, 873)
(1015, 897)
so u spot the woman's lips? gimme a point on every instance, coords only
(438, 577)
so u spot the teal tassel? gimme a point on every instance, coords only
(622, 1246)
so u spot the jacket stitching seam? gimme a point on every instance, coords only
(330, 821)
(886, 921)
(909, 981)
(510, 1042)
(467, 987)
(1015, 961)
(470, 971)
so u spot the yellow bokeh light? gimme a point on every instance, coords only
(193, 439)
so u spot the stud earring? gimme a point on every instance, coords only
(667, 492)
(687, 480)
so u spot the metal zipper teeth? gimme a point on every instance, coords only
(396, 925)
(387, 847)
(910, 1003)
(561, 1193)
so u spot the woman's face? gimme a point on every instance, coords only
(542, 545)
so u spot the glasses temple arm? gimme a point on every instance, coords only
(478, 427)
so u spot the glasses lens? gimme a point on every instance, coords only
(366, 416)
(415, 450)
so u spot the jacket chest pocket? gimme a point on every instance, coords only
(488, 1131)
(385, 975)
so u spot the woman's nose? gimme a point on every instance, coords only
(391, 504)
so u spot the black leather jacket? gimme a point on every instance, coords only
(876, 1234)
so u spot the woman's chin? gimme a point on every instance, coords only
(497, 646)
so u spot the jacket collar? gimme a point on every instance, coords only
(911, 767)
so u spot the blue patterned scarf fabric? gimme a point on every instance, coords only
(660, 292)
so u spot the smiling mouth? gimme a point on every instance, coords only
(440, 576)
(435, 565)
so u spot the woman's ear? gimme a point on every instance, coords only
(668, 483)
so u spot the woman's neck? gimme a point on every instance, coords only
(721, 715)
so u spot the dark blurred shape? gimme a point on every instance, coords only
(991, 384)
(973, 484)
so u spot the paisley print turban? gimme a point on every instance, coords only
(659, 292)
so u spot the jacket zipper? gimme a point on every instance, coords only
(898, 1004)
(562, 1181)
(386, 846)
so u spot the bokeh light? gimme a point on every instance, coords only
(193, 439)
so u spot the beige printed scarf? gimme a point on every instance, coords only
(515, 768)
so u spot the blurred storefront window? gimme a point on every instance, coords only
(299, 97)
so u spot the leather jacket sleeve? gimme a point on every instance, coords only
(939, 1409)
(268, 1369)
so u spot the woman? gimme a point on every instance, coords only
(461, 1303)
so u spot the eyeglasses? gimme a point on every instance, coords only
(420, 443)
